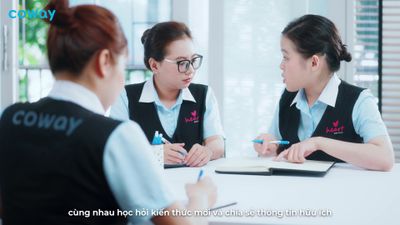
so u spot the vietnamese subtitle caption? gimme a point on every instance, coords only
(205, 213)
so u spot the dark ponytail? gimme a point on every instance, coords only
(345, 55)
(63, 16)
(313, 34)
(77, 33)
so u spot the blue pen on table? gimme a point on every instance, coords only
(200, 175)
(282, 142)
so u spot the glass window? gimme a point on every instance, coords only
(252, 81)
(366, 42)
(135, 16)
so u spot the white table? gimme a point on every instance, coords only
(351, 195)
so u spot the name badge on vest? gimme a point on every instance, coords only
(335, 129)
(192, 118)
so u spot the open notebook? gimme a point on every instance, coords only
(266, 166)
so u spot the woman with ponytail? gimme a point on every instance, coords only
(62, 161)
(322, 116)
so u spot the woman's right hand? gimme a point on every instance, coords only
(266, 148)
(202, 196)
(203, 193)
(174, 153)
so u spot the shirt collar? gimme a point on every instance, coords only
(328, 95)
(149, 93)
(78, 94)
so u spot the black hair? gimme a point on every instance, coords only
(313, 34)
(156, 39)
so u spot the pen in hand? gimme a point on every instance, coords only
(223, 206)
(165, 141)
(200, 175)
(282, 142)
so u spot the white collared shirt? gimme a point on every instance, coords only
(328, 95)
(149, 94)
(78, 94)
(366, 118)
(129, 166)
(169, 116)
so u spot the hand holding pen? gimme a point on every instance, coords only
(202, 191)
(201, 173)
(267, 145)
(173, 153)
(282, 142)
(182, 150)
(199, 178)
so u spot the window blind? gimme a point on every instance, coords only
(378, 53)
(391, 70)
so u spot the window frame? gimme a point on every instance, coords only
(8, 55)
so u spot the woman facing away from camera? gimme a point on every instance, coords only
(60, 156)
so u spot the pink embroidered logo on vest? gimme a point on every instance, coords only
(194, 118)
(335, 129)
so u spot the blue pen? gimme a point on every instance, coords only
(165, 141)
(200, 175)
(183, 153)
(282, 142)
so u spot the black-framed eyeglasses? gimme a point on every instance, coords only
(183, 65)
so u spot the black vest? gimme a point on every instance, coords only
(51, 162)
(336, 122)
(189, 129)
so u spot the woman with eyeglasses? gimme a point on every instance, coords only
(186, 114)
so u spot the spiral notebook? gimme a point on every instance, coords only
(266, 166)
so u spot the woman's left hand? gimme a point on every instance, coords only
(198, 155)
(298, 152)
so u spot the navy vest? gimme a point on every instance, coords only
(336, 122)
(51, 162)
(189, 129)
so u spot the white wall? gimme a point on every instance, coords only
(195, 14)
